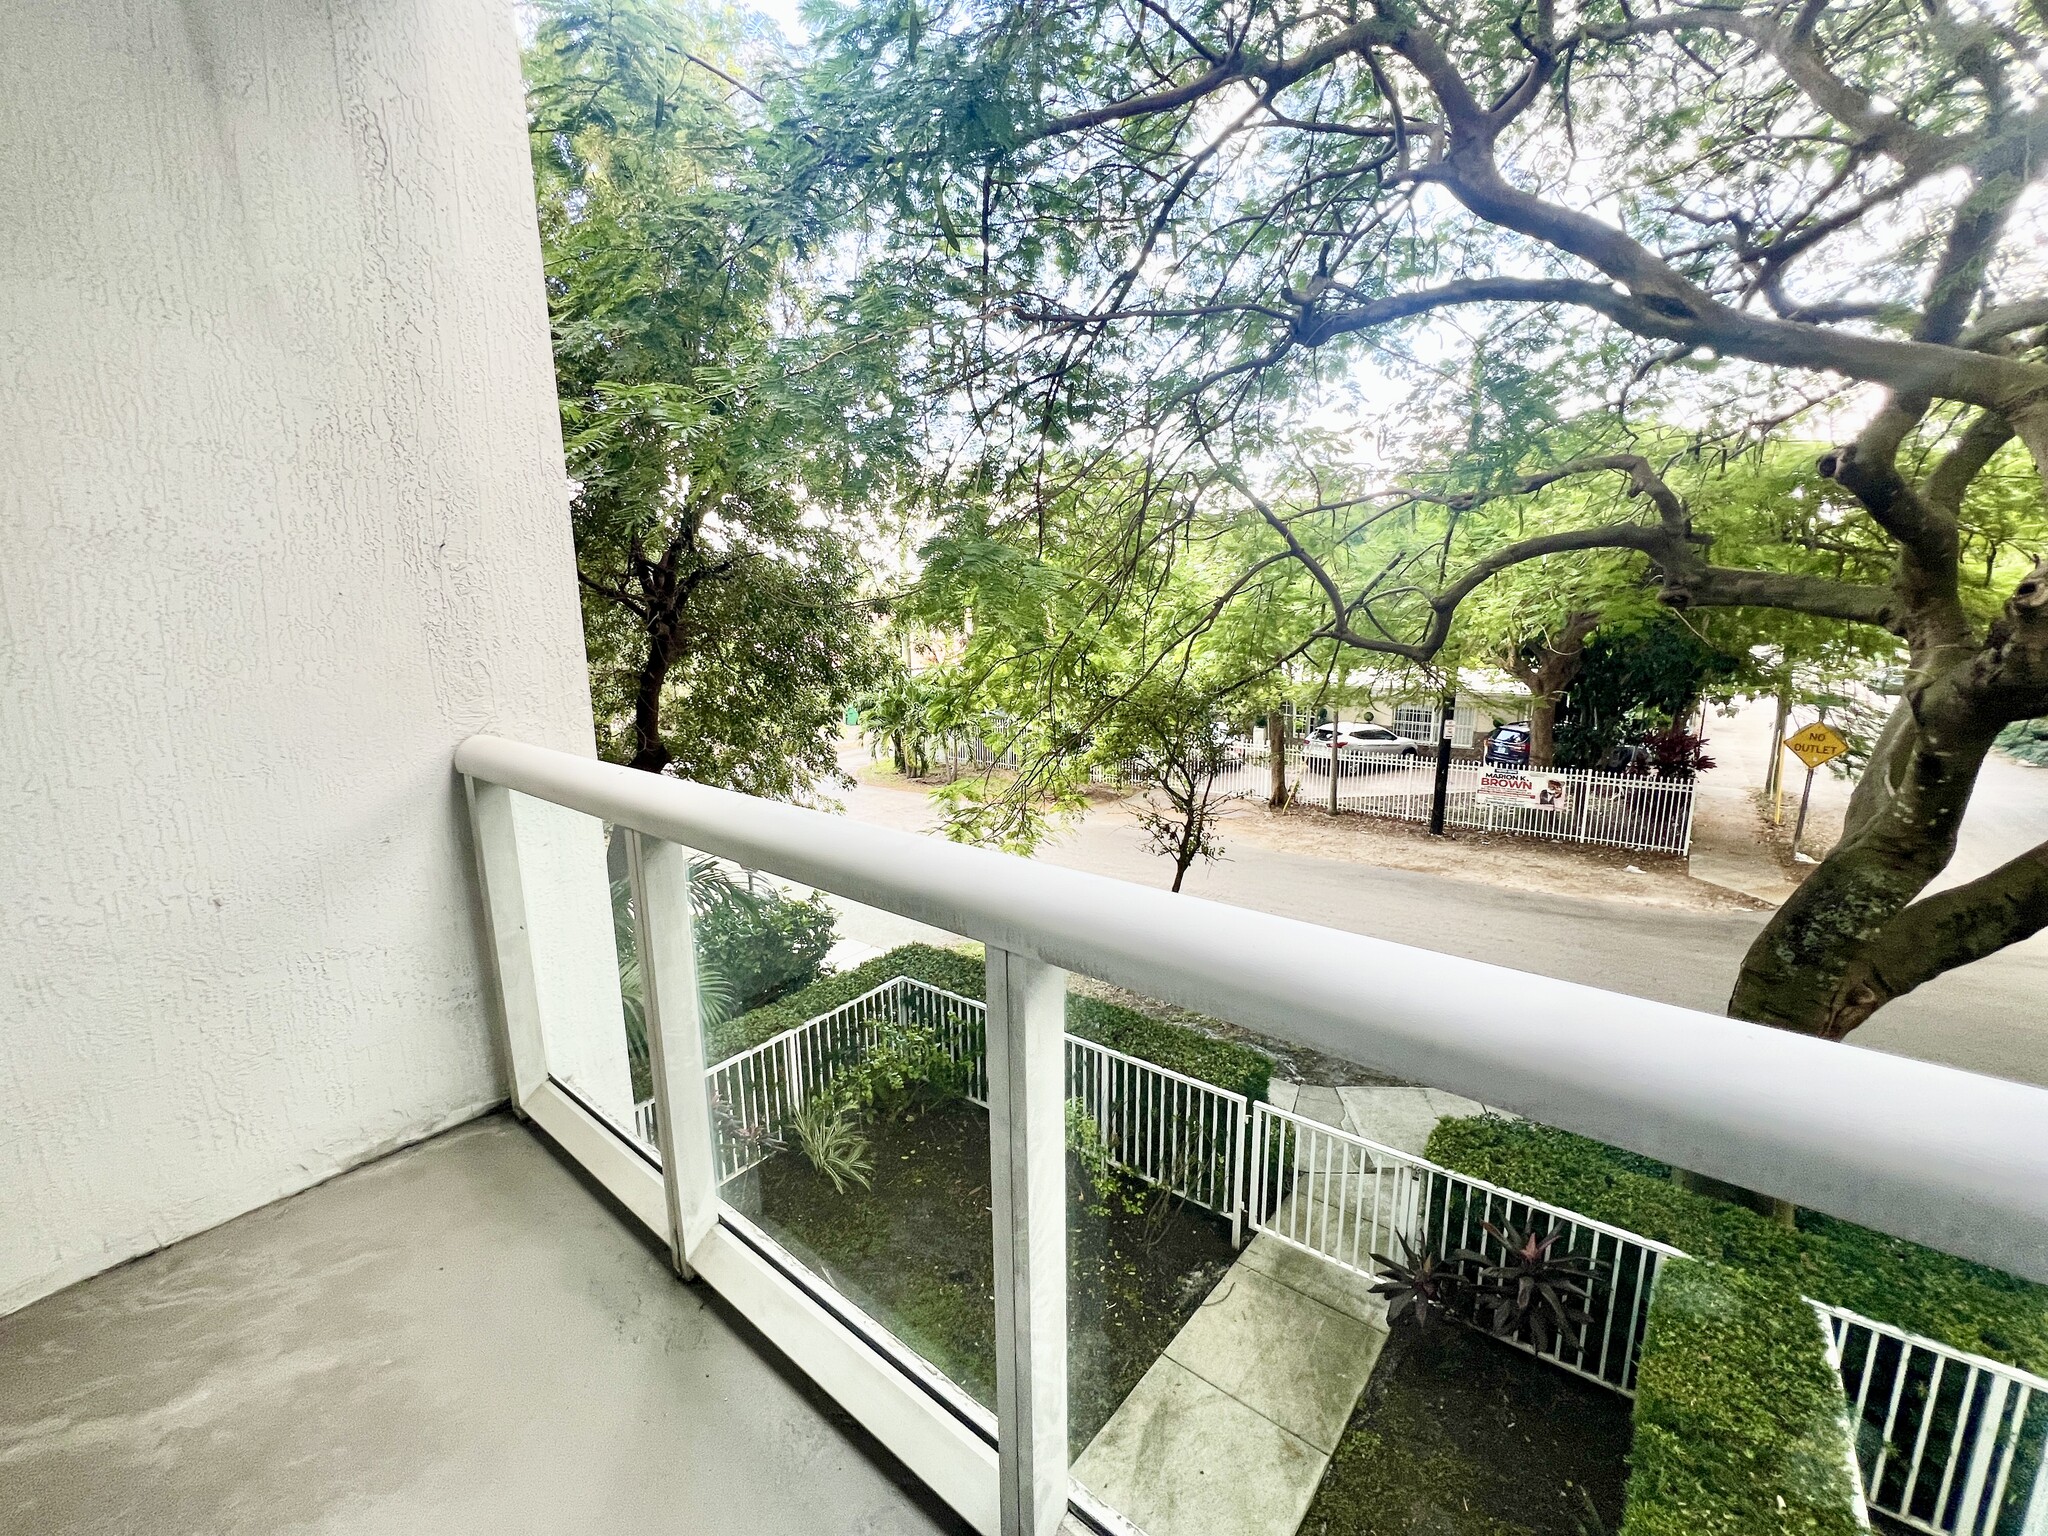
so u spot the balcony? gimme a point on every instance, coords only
(1050, 1278)
(386, 1143)
(461, 1337)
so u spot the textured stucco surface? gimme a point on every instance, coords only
(282, 518)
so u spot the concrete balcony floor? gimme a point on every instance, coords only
(459, 1338)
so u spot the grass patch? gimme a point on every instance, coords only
(1923, 1290)
(1225, 1063)
(1739, 1419)
(916, 1252)
(1460, 1435)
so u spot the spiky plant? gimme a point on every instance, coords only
(1530, 1290)
(1421, 1288)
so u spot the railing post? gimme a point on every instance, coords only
(520, 1042)
(1240, 1146)
(1027, 1135)
(660, 873)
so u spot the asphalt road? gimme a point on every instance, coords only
(1989, 1017)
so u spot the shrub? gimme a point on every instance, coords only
(762, 946)
(1226, 1064)
(1922, 1290)
(1740, 1427)
(905, 1072)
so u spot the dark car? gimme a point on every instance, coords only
(1509, 744)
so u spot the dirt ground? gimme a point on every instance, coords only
(1524, 863)
(1497, 859)
(1823, 825)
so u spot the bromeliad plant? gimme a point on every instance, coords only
(1425, 1287)
(1530, 1291)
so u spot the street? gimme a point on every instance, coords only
(1990, 1017)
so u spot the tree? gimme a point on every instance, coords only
(1182, 222)
(1635, 677)
(898, 715)
(727, 446)
(1170, 740)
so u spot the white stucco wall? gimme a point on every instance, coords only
(282, 518)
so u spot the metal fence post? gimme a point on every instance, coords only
(660, 873)
(1027, 1005)
(1440, 794)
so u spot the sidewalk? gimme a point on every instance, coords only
(1731, 846)
(1230, 1431)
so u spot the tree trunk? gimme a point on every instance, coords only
(1821, 964)
(650, 753)
(1276, 760)
(1542, 730)
(1557, 664)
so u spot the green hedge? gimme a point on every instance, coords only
(1740, 1425)
(923, 962)
(1189, 1052)
(1909, 1286)
(1238, 1068)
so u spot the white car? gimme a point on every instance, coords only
(1354, 743)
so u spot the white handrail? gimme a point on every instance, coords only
(1941, 1156)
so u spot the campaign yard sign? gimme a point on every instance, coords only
(1520, 790)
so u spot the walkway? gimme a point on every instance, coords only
(1230, 1431)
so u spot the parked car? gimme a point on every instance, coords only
(1355, 744)
(1509, 744)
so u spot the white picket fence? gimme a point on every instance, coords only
(1354, 1202)
(1610, 810)
(1946, 1442)
(1949, 1443)
(1173, 1131)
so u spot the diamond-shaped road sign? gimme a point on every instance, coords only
(1815, 745)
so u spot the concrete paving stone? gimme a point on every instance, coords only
(1281, 1093)
(1402, 1118)
(1341, 1290)
(1323, 1104)
(1296, 1361)
(1181, 1458)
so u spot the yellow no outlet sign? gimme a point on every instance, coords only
(1815, 745)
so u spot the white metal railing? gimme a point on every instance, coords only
(1948, 1442)
(1578, 805)
(1353, 1202)
(755, 1093)
(1928, 1153)
(1173, 1131)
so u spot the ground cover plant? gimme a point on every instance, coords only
(914, 1249)
(1740, 1421)
(1458, 1434)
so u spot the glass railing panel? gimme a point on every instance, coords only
(847, 1075)
(585, 964)
(1445, 1317)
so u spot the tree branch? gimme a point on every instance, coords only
(1938, 933)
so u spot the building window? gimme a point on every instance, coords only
(1415, 721)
